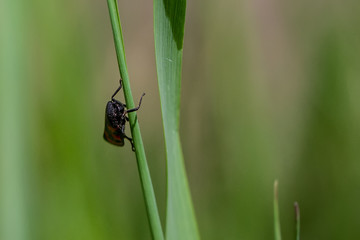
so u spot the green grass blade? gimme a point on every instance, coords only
(169, 19)
(14, 136)
(150, 201)
(276, 212)
(297, 221)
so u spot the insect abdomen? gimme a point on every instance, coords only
(113, 135)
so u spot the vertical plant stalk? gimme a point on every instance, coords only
(297, 221)
(14, 136)
(276, 212)
(169, 19)
(149, 195)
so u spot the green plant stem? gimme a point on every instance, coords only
(276, 212)
(297, 221)
(14, 135)
(150, 201)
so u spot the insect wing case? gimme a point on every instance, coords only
(112, 131)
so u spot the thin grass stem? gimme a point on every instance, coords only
(297, 221)
(276, 212)
(147, 187)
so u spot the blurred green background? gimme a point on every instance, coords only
(270, 91)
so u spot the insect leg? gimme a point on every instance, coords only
(137, 108)
(117, 90)
(131, 141)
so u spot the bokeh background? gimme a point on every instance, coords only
(270, 91)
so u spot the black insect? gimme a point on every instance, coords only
(115, 120)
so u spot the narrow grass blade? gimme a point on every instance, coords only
(150, 201)
(169, 19)
(276, 212)
(14, 136)
(297, 221)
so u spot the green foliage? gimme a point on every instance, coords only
(269, 93)
(13, 131)
(276, 212)
(277, 229)
(154, 219)
(169, 18)
(297, 221)
(175, 12)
